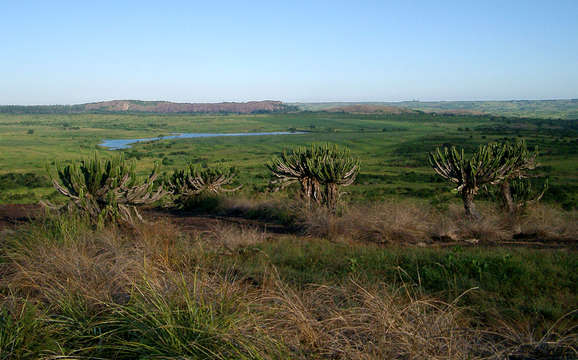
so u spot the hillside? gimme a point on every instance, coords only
(159, 107)
(369, 109)
(546, 109)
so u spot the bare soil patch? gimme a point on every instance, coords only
(13, 215)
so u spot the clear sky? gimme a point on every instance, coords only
(65, 52)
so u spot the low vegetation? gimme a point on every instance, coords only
(71, 291)
(192, 265)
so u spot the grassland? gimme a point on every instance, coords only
(230, 292)
(399, 273)
(392, 148)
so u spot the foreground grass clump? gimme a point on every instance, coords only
(22, 330)
(151, 291)
(117, 294)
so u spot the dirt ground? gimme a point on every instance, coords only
(14, 215)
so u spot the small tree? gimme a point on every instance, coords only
(336, 168)
(525, 161)
(296, 166)
(107, 190)
(191, 181)
(490, 164)
(523, 194)
(319, 169)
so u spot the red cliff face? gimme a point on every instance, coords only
(170, 107)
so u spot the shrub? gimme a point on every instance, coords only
(192, 184)
(28, 180)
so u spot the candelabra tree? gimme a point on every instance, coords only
(338, 168)
(490, 164)
(191, 181)
(107, 190)
(516, 194)
(297, 167)
(319, 169)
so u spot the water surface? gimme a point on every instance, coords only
(118, 144)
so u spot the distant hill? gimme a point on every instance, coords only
(157, 107)
(546, 109)
(563, 109)
(369, 109)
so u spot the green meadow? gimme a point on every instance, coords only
(392, 148)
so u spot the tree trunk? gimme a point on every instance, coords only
(469, 206)
(316, 194)
(331, 196)
(507, 196)
(306, 191)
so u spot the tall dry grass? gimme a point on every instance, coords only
(549, 222)
(356, 322)
(155, 292)
(412, 222)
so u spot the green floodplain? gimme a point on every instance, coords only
(393, 148)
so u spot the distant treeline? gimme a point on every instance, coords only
(42, 109)
(547, 109)
(82, 109)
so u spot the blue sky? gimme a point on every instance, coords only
(64, 52)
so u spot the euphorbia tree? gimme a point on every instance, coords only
(192, 180)
(319, 169)
(337, 167)
(525, 160)
(106, 189)
(490, 164)
(296, 166)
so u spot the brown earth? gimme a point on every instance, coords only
(13, 215)
(17, 214)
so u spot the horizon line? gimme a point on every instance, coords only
(298, 102)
